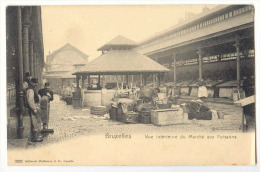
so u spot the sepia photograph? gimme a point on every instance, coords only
(130, 85)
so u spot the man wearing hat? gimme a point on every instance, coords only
(32, 100)
(27, 80)
(46, 96)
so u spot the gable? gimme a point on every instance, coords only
(67, 52)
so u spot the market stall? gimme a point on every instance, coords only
(209, 84)
(230, 90)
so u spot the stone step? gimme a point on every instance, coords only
(17, 143)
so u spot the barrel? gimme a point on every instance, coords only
(92, 98)
(107, 96)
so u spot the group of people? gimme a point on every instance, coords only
(37, 102)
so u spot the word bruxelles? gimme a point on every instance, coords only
(117, 136)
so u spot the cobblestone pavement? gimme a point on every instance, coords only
(69, 123)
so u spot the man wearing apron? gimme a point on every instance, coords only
(46, 96)
(32, 101)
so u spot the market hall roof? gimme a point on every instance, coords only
(118, 42)
(122, 62)
(193, 31)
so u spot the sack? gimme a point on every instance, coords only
(200, 116)
(146, 92)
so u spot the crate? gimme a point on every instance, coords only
(98, 110)
(167, 116)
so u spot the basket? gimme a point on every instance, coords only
(145, 117)
(130, 117)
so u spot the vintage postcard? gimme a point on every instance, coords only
(130, 85)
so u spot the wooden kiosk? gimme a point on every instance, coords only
(120, 60)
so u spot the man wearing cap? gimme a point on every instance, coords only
(46, 96)
(32, 100)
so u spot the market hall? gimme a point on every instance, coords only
(132, 87)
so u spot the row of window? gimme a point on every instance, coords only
(214, 58)
(202, 24)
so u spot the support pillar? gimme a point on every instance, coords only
(83, 81)
(19, 92)
(200, 63)
(34, 65)
(103, 81)
(37, 68)
(154, 80)
(82, 90)
(174, 70)
(141, 79)
(77, 80)
(127, 79)
(26, 25)
(237, 45)
(88, 80)
(159, 79)
(31, 53)
(99, 79)
(116, 81)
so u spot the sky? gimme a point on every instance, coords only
(89, 27)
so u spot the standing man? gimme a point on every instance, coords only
(32, 100)
(46, 96)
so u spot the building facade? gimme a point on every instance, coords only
(61, 62)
